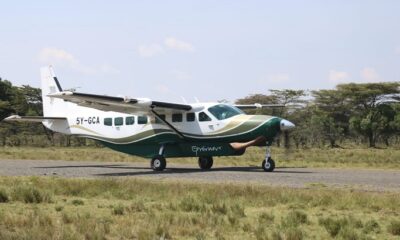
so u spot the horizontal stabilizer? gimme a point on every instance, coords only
(16, 118)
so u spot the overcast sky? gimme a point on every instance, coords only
(211, 50)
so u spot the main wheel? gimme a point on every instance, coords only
(158, 163)
(268, 165)
(205, 163)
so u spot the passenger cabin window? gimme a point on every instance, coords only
(118, 121)
(142, 120)
(129, 120)
(203, 117)
(190, 117)
(108, 121)
(177, 117)
(162, 116)
(222, 111)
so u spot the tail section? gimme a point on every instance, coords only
(52, 107)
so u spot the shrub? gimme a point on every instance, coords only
(30, 194)
(371, 226)
(266, 218)
(118, 210)
(59, 208)
(78, 202)
(294, 218)
(348, 233)
(293, 234)
(332, 226)
(3, 196)
(394, 227)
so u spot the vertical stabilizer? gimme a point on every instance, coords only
(52, 107)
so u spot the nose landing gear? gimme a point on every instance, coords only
(268, 164)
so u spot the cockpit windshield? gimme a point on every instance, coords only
(223, 111)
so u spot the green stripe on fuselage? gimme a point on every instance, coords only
(217, 145)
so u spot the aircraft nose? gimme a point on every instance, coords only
(286, 125)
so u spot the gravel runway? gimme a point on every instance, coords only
(375, 180)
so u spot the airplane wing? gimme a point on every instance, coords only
(39, 119)
(258, 106)
(119, 104)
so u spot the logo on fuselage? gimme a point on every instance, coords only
(204, 149)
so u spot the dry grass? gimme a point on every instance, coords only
(327, 158)
(139, 209)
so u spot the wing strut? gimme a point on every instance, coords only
(168, 124)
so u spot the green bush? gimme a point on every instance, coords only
(118, 210)
(3, 196)
(30, 194)
(294, 218)
(394, 227)
(78, 202)
(59, 208)
(371, 226)
(332, 226)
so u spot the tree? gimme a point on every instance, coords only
(371, 115)
(331, 114)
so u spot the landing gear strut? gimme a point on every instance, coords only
(268, 164)
(205, 163)
(158, 162)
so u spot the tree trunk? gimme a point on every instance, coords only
(371, 140)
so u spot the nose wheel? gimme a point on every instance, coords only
(268, 165)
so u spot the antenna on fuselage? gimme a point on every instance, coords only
(196, 99)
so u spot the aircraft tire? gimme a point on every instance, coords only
(158, 163)
(269, 165)
(205, 163)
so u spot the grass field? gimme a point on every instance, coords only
(57, 208)
(327, 158)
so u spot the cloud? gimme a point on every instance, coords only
(60, 57)
(369, 74)
(150, 50)
(338, 76)
(176, 44)
(181, 75)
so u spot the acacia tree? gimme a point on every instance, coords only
(331, 114)
(369, 102)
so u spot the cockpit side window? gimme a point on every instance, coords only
(223, 111)
(203, 117)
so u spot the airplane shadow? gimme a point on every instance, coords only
(174, 170)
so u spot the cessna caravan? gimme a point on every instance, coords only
(154, 129)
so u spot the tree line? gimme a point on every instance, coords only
(366, 113)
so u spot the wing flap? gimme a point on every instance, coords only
(39, 119)
(118, 104)
(258, 106)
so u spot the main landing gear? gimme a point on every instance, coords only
(268, 164)
(158, 162)
(205, 163)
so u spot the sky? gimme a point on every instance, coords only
(172, 50)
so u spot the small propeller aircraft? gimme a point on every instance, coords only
(154, 129)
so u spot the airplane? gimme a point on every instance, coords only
(154, 129)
